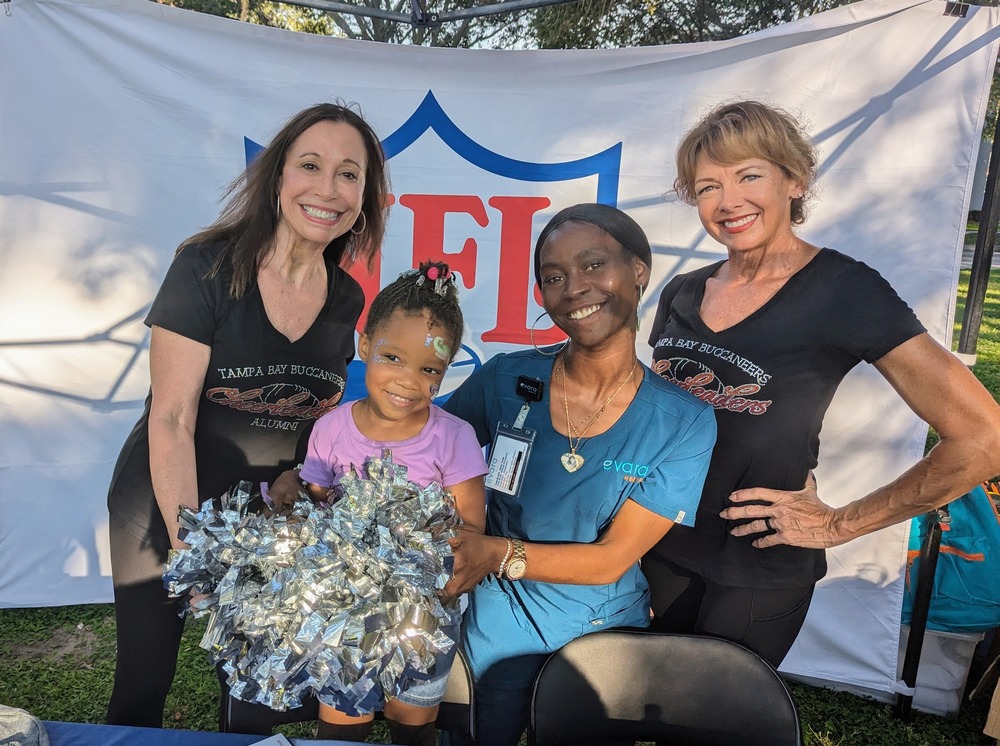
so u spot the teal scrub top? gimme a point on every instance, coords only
(656, 454)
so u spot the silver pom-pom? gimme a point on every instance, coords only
(339, 600)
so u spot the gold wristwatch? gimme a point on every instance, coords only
(518, 564)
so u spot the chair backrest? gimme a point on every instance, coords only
(456, 714)
(632, 685)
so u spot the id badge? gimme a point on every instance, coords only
(509, 458)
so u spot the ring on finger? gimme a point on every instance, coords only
(767, 523)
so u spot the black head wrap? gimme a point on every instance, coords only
(611, 220)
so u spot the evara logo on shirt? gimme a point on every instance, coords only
(630, 472)
(703, 383)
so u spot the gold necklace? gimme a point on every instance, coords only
(572, 461)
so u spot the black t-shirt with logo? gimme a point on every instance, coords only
(261, 392)
(771, 378)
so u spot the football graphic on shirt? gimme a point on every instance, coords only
(681, 370)
(288, 393)
(701, 382)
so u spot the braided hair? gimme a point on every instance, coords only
(431, 287)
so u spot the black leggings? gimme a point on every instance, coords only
(149, 632)
(766, 621)
(148, 629)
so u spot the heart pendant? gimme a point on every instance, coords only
(571, 462)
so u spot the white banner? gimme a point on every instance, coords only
(122, 120)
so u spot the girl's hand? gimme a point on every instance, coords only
(194, 598)
(476, 556)
(284, 491)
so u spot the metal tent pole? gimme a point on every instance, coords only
(921, 607)
(982, 259)
(424, 17)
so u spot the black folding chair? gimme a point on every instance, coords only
(456, 715)
(631, 685)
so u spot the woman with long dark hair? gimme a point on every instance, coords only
(252, 331)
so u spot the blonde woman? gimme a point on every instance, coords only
(766, 336)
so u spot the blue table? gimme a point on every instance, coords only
(86, 734)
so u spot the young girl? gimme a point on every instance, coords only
(413, 329)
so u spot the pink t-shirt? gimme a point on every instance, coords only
(444, 451)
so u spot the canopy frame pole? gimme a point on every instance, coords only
(419, 16)
(982, 258)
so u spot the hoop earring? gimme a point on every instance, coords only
(364, 220)
(638, 310)
(277, 207)
(538, 349)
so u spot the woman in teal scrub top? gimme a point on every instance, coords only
(593, 458)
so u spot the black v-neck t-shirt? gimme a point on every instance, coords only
(261, 393)
(770, 378)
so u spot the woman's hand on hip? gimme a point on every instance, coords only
(796, 517)
(952, 401)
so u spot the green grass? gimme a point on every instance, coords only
(58, 663)
(987, 368)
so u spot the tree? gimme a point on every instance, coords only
(496, 31)
(261, 12)
(577, 24)
(490, 31)
(601, 23)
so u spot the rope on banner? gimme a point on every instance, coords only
(900, 687)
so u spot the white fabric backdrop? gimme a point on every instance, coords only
(121, 120)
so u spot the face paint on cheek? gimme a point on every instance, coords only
(434, 390)
(441, 349)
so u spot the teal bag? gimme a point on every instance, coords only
(966, 593)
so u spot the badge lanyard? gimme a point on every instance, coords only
(513, 441)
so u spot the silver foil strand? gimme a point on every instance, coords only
(340, 600)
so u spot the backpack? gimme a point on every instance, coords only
(18, 728)
(966, 592)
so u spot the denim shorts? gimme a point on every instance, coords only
(428, 693)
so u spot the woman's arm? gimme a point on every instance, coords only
(470, 501)
(942, 392)
(177, 368)
(632, 533)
